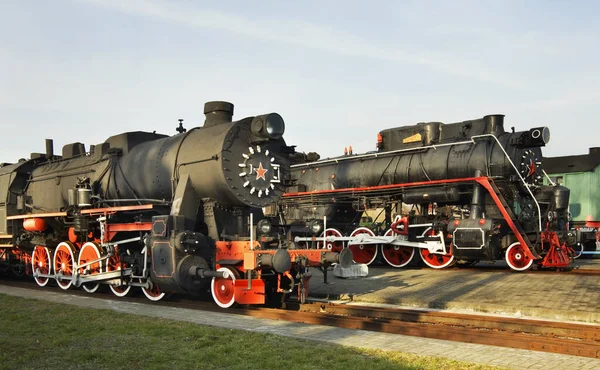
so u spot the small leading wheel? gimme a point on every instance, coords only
(40, 262)
(64, 264)
(89, 252)
(332, 246)
(114, 264)
(154, 294)
(395, 255)
(363, 253)
(516, 257)
(222, 289)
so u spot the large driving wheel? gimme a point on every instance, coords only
(332, 246)
(395, 255)
(64, 264)
(222, 289)
(114, 263)
(90, 252)
(516, 257)
(363, 253)
(40, 262)
(154, 294)
(435, 260)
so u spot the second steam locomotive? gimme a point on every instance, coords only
(452, 193)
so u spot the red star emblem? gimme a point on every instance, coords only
(531, 167)
(260, 172)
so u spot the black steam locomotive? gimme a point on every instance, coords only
(456, 193)
(164, 213)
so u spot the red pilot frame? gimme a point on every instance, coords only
(246, 267)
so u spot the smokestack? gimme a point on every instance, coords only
(217, 112)
(49, 148)
(494, 124)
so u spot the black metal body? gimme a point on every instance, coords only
(472, 149)
(141, 165)
(421, 155)
(202, 183)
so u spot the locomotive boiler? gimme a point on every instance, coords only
(456, 193)
(164, 213)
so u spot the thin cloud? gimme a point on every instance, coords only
(568, 100)
(304, 34)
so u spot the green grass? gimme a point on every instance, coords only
(40, 335)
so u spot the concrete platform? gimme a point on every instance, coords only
(475, 353)
(554, 295)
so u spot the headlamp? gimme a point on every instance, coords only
(268, 126)
(264, 227)
(315, 227)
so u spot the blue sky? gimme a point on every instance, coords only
(337, 71)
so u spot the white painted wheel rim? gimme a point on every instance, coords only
(390, 232)
(329, 232)
(90, 287)
(69, 282)
(42, 281)
(150, 296)
(118, 292)
(509, 262)
(578, 252)
(228, 275)
(364, 230)
(438, 267)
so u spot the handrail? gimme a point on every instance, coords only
(518, 174)
(548, 177)
(472, 141)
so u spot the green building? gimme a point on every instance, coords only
(581, 174)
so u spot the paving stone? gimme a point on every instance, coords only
(554, 296)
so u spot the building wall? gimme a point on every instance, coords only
(585, 193)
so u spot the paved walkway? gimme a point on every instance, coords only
(490, 355)
(554, 296)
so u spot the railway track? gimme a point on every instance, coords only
(575, 271)
(589, 272)
(539, 335)
(500, 269)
